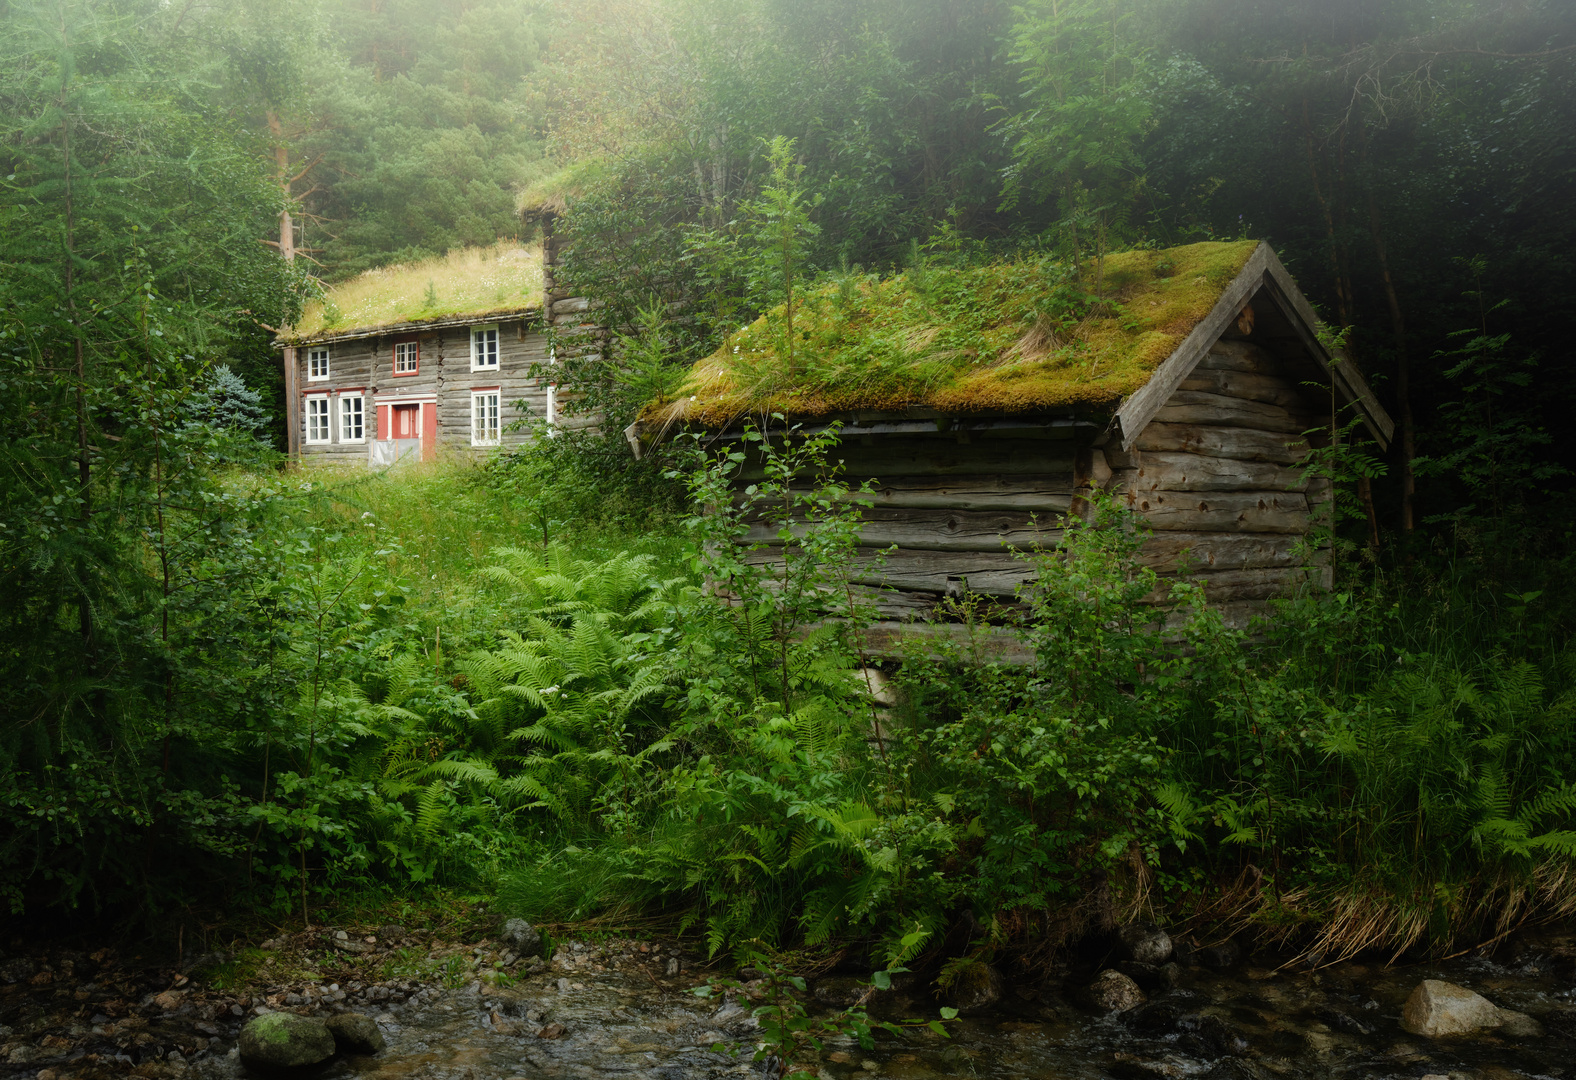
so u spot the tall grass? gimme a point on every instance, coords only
(504, 277)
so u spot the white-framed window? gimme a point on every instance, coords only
(352, 418)
(484, 348)
(316, 365)
(317, 419)
(484, 417)
(407, 358)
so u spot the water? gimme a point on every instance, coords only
(611, 1010)
(1336, 1023)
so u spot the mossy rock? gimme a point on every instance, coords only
(281, 1040)
(356, 1033)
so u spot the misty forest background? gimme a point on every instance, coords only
(234, 683)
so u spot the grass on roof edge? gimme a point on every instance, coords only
(506, 276)
(996, 338)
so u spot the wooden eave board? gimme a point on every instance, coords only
(1262, 273)
(392, 329)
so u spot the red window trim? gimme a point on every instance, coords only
(393, 372)
(485, 389)
(350, 390)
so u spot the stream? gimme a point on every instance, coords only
(622, 1008)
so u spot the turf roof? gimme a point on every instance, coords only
(998, 338)
(505, 278)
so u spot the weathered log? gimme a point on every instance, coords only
(945, 573)
(1226, 511)
(1195, 407)
(980, 644)
(1222, 586)
(939, 530)
(886, 458)
(991, 493)
(1159, 471)
(1244, 444)
(1173, 551)
(1241, 356)
(1270, 389)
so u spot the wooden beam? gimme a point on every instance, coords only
(1171, 551)
(974, 644)
(1162, 471)
(1269, 389)
(1227, 511)
(939, 530)
(1245, 444)
(940, 456)
(1197, 407)
(940, 572)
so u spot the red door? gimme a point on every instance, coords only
(407, 421)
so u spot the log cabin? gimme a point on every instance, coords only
(442, 357)
(986, 403)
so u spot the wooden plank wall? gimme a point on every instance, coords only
(445, 372)
(1212, 475)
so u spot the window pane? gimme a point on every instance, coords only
(486, 345)
(350, 419)
(317, 419)
(405, 357)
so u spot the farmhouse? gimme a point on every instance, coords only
(439, 357)
(988, 402)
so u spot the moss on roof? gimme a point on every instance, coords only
(1006, 337)
(554, 191)
(503, 279)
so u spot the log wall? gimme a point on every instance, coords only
(444, 376)
(1214, 476)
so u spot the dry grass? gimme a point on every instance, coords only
(472, 281)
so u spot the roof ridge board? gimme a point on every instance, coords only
(1140, 407)
(1262, 270)
(1353, 385)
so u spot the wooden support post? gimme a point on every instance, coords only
(292, 405)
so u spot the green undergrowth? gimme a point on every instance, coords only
(1006, 336)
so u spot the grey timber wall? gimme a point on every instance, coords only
(444, 373)
(1213, 476)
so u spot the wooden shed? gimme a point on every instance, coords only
(985, 401)
(440, 357)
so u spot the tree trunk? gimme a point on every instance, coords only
(287, 249)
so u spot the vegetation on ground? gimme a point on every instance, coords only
(557, 678)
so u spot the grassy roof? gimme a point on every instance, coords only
(504, 278)
(553, 191)
(1004, 337)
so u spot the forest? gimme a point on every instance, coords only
(238, 684)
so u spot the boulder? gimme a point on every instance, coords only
(1157, 1017)
(1150, 976)
(1145, 943)
(1221, 1037)
(977, 988)
(1439, 1009)
(841, 991)
(1219, 957)
(522, 937)
(355, 1033)
(281, 1040)
(1112, 991)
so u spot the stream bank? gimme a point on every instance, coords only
(621, 1007)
